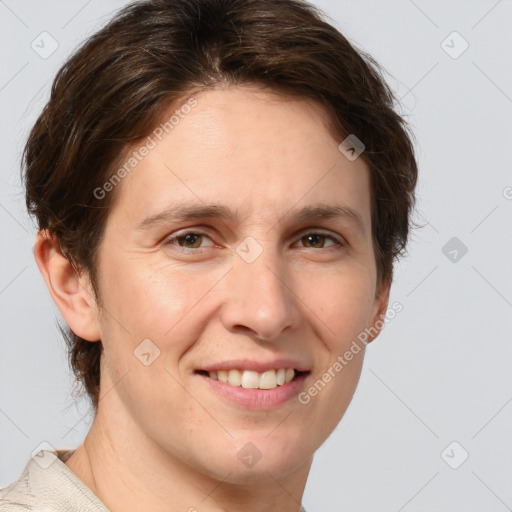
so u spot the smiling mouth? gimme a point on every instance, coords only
(249, 379)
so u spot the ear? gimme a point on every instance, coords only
(380, 307)
(71, 292)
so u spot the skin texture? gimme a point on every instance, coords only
(162, 438)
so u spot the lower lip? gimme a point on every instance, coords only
(257, 399)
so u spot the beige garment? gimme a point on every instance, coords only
(48, 485)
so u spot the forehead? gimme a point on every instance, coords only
(252, 149)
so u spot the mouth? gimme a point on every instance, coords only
(255, 390)
(249, 379)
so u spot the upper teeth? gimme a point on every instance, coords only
(255, 380)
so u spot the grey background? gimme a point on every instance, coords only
(439, 372)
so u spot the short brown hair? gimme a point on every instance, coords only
(116, 86)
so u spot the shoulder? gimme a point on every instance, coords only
(47, 485)
(16, 497)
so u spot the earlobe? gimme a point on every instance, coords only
(379, 309)
(70, 291)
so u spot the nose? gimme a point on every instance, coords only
(259, 298)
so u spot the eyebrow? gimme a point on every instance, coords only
(188, 211)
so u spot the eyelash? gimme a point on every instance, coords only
(170, 240)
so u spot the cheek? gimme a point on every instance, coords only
(152, 300)
(343, 301)
(169, 307)
(339, 302)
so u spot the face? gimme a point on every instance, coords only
(271, 266)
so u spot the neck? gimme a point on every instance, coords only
(128, 471)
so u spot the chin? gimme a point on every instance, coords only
(258, 456)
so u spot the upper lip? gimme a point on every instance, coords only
(256, 366)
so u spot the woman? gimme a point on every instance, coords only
(221, 189)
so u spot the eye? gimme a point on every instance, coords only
(314, 239)
(187, 240)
